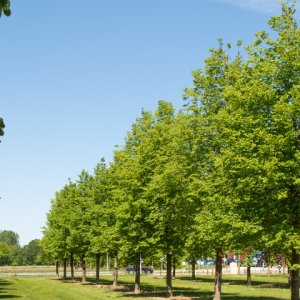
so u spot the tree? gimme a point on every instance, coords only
(97, 215)
(131, 176)
(57, 231)
(9, 237)
(252, 114)
(31, 254)
(106, 213)
(166, 192)
(5, 7)
(219, 225)
(53, 244)
(263, 121)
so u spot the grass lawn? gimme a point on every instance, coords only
(234, 288)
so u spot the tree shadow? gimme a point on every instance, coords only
(149, 290)
(178, 292)
(241, 281)
(4, 283)
(232, 296)
(153, 291)
(5, 290)
(188, 294)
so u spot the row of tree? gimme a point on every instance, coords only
(12, 254)
(222, 174)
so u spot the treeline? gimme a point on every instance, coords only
(220, 175)
(12, 254)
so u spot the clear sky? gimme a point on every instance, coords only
(75, 74)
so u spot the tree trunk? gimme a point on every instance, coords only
(248, 273)
(174, 268)
(65, 268)
(83, 266)
(115, 280)
(239, 265)
(169, 275)
(137, 283)
(193, 269)
(57, 268)
(289, 277)
(295, 282)
(218, 275)
(72, 266)
(107, 263)
(97, 268)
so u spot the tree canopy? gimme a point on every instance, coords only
(9, 237)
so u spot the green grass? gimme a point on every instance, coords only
(234, 288)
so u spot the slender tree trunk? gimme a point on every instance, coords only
(218, 275)
(239, 264)
(193, 269)
(97, 268)
(65, 268)
(174, 268)
(289, 278)
(295, 281)
(72, 266)
(57, 268)
(295, 258)
(107, 262)
(115, 280)
(248, 273)
(169, 275)
(83, 267)
(137, 283)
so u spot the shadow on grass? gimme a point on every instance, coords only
(4, 284)
(154, 291)
(242, 281)
(238, 297)
(192, 294)
(178, 292)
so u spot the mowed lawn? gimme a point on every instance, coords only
(234, 288)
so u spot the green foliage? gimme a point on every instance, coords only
(166, 193)
(9, 242)
(132, 170)
(9, 237)
(97, 212)
(5, 7)
(5, 254)
(31, 254)
(11, 253)
(262, 119)
(68, 221)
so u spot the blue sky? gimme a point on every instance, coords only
(75, 74)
